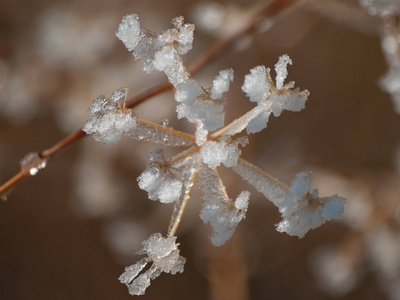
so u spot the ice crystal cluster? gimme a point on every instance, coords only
(164, 255)
(212, 145)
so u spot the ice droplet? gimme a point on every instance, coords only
(32, 163)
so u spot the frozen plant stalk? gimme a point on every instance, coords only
(213, 144)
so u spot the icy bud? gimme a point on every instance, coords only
(221, 83)
(218, 210)
(164, 254)
(281, 70)
(188, 91)
(108, 121)
(130, 32)
(256, 85)
(303, 211)
(32, 163)
(119, 96)
(226, 152)
(159, 180)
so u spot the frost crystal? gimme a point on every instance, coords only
(303, 211)
(108, 123)
(255, 84)
(218, 210)
(215, 153)
(221, 84)
(164, 254)
(188, 91)
(281, 70)
(161, 52)
(130, 32)
(300, 209)
(32, 163)
(160, 181)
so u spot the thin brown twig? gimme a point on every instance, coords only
(273, 8)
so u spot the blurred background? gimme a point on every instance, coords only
(68, 232)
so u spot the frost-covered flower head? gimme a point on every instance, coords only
(213, 144)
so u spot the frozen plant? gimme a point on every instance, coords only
(164, 255)
(171, 180)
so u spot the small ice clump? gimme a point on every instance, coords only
(161, 52)
(218, 210)
(32, 163)
(119, 96)
(207, 114)
(221, 83)
(164, 254)
(108, 123)
(256, 85)
(292, 101)
(159, 181)
(181, 36)
(224, 219)
(281, 70)
(188, 91)
(130, 32)
(259, 87)
(303, 211)
(215, 153)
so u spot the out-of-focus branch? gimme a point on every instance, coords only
(275, 8)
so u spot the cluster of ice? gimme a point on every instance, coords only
(171, 181)
(218, 210)
(304, 211)
(159, 180)
(204, 109)
(381, 7)
(301, 209)
(221, 83)
(214, 153)
(109, 121)
(161, 52)
(164, 255)
(270, 98)
(32, 163)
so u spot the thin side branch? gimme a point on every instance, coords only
(180, 206)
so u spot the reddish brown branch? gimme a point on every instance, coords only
(273, 8)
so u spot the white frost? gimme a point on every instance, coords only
(164, 255)
(281, 70)
(221, 83)
(160, 181)
(255, 84)
(108, 123)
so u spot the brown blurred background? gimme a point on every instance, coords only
(68, 232)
